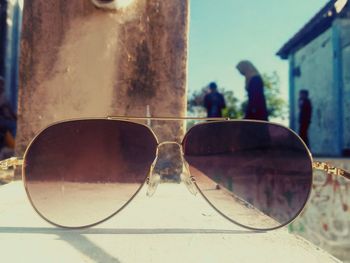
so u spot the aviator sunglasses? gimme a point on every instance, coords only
(79, 173)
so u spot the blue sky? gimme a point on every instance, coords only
(226, 31)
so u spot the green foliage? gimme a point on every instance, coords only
(235, 109)
(276, 106)
(196, 99)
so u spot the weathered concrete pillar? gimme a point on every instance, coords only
(78, 60)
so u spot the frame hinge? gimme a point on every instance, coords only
(329, 169)
(11, 162)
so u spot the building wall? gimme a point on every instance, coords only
(345, 46)
(13, 30)
(315, 63)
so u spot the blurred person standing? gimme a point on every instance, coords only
(214, 102)
(305, 112)
(7, 124)
(254, 85)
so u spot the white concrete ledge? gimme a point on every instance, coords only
(172, 226)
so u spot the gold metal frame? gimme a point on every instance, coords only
(190, 182)
(166, 118)
(10, 163)
(329, 169)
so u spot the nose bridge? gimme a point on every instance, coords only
(170, 167)
(170, 143)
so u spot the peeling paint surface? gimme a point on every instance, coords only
(80, 61)
(326, 219)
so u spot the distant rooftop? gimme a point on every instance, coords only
(316, 26)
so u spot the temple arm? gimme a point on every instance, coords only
(329, 169)
(11, 162)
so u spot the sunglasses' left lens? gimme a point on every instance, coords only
(79, 173)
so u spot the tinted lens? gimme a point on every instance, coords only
(257, 174)
(78, 173)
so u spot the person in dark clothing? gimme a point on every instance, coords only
(214, 102)
(256, 108)
(305, 112)
(7, 119)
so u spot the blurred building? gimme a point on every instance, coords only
(319, 59)
(10, 26)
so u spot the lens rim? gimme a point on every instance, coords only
(309, 155)
(25, 183)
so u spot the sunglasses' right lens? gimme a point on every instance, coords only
(257, 174)
(78, 173)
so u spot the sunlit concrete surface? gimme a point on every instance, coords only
(172, 226)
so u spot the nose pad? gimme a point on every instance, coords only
(169, 167)
(153, 181)
(188, 179)
(166, 168)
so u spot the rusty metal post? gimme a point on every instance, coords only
(80, 60)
